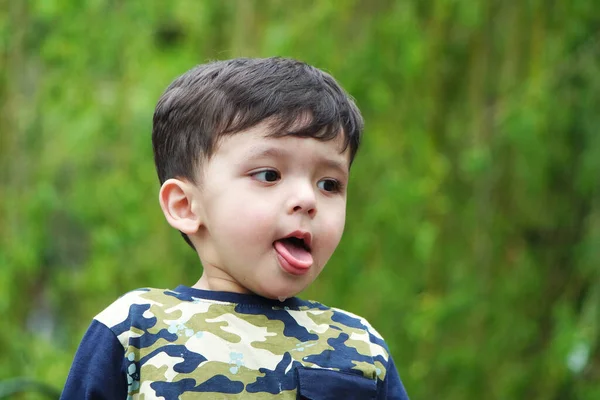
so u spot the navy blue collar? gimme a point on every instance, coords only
(240, 298)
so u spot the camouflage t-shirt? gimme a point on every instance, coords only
(195, 344)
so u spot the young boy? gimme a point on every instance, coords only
(253, 156)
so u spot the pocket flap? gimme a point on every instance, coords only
(324, 384)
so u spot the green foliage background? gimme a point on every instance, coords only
(473, 232)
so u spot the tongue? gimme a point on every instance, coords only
(295, 255)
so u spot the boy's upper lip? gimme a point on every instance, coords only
(300, 234)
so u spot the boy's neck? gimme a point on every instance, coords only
(219, 283)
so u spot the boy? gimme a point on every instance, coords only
(253, 156)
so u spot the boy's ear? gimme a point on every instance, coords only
(178, 203)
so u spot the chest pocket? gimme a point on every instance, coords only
(323, 384)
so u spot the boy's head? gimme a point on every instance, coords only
(248, 152)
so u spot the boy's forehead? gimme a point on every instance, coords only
(262, 141)
(333, 151)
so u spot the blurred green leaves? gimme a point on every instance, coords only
(473, 229)
(13, 387)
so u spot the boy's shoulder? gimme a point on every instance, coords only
(142, 299)
(137, 301)
(356, 320)
(176, 310)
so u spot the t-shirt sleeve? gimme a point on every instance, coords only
(96, 372)
(391, 388)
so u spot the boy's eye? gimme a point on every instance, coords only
(267, 175)
(329, 185)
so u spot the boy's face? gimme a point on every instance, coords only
(255, 192)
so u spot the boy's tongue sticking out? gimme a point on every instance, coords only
(295, 254)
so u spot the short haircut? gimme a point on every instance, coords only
(225, 97)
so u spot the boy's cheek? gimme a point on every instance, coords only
(260, 215)
(249, 222)
(332, 233)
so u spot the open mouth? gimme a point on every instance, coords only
(294, 242)
(295, 252)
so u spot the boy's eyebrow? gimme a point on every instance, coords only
(336, 165)
(260, 152)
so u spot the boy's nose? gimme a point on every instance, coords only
(303, 200)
